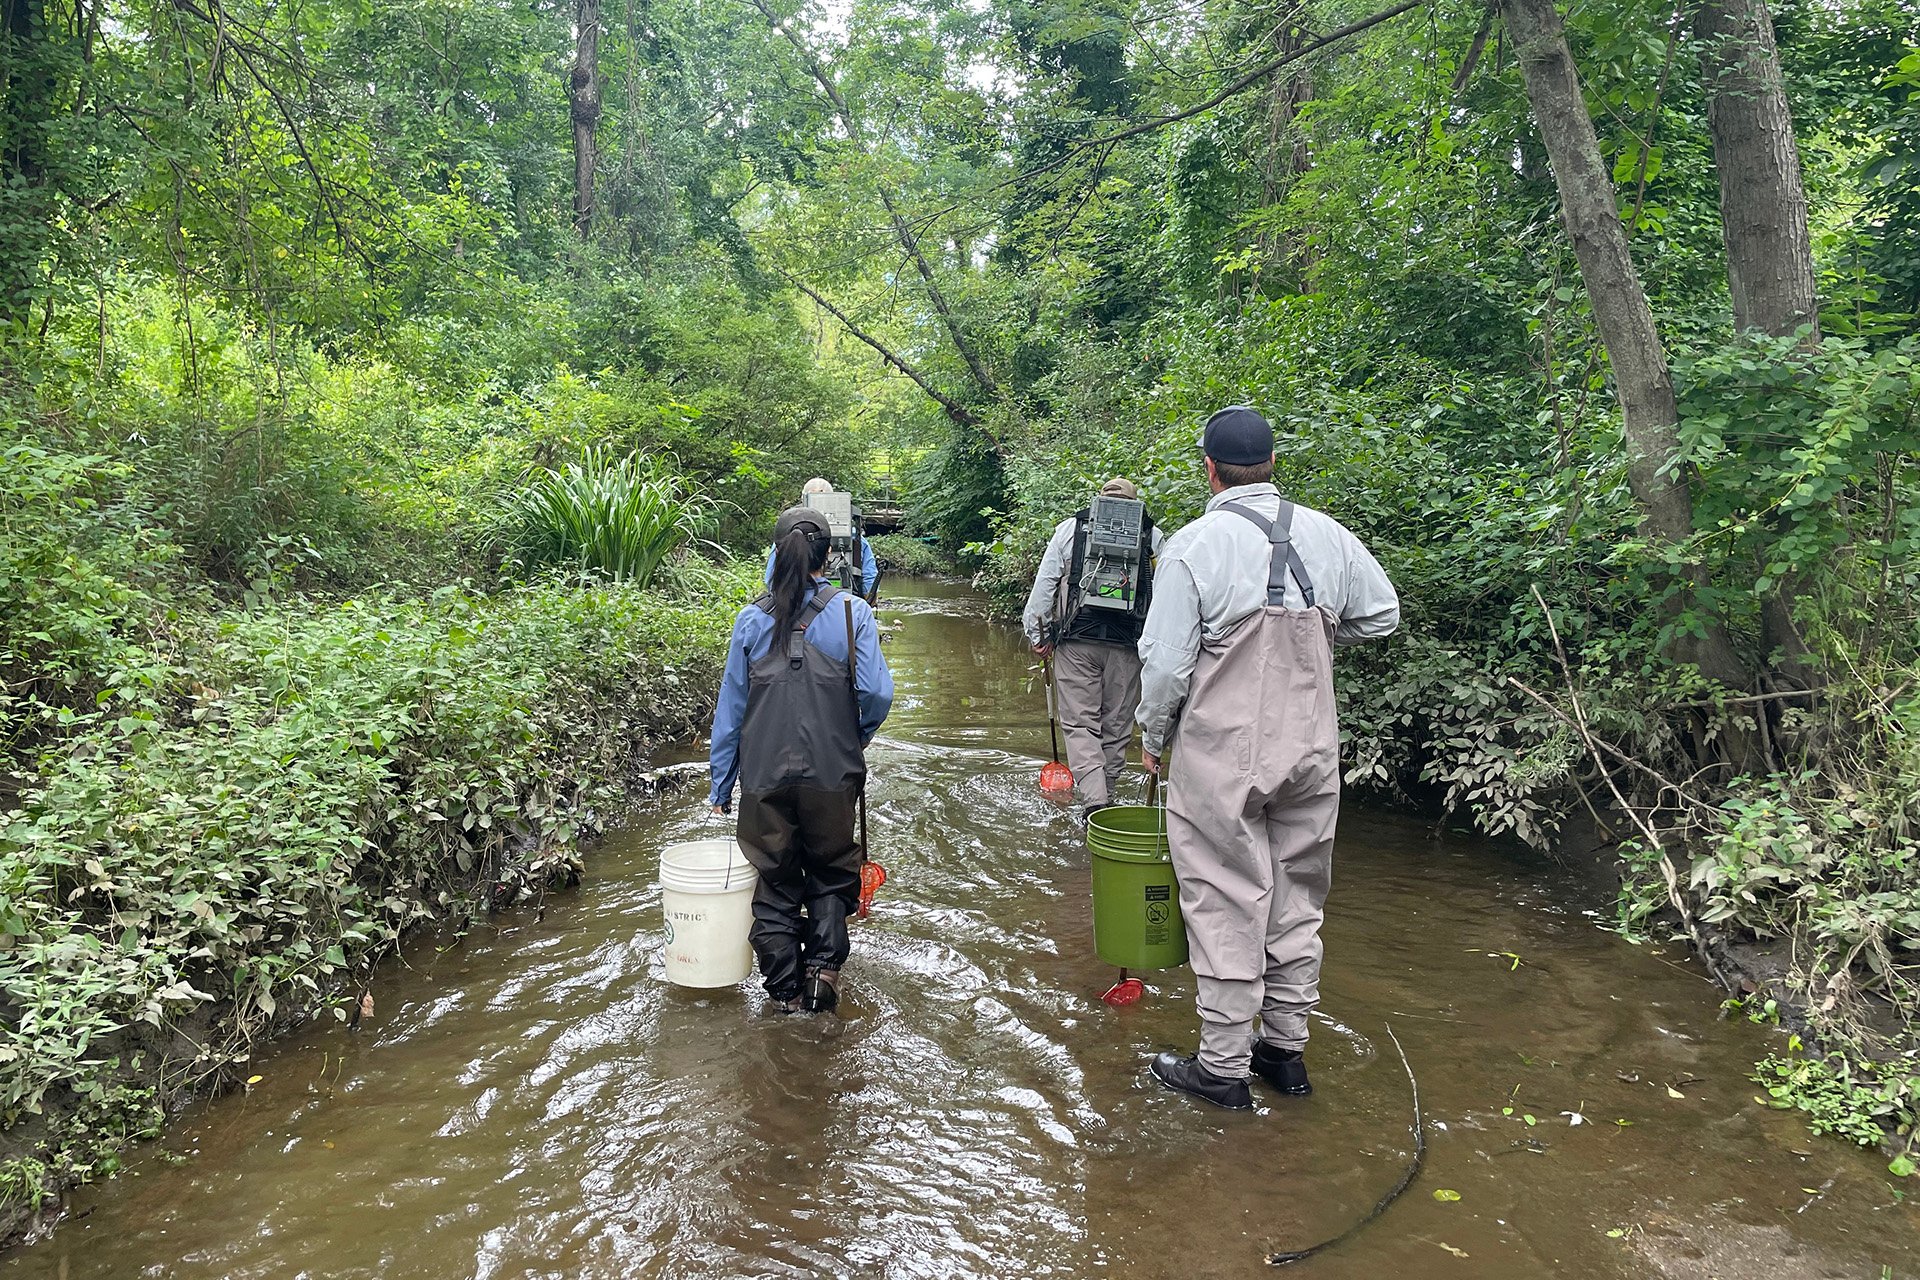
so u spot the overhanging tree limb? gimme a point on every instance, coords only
(902, 228)
(1474, 50)
(954, 409)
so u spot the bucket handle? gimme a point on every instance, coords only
(1156, 799)
(727, 883)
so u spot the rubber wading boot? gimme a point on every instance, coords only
(1188, 1076)
(823, 991)
(1284, 1069)
(791, 1004)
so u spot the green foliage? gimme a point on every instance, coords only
(1802, 459)
(297, 786)
(612, 516)
(954, 491)
(903, 554)
(76, 571)
(1849, 1099)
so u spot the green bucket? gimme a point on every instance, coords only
(1136, 901)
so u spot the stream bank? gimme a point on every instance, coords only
(533, 1099)
(186, 885)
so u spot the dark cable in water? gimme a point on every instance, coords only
(1406, 1179)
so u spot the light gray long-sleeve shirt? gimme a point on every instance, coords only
(1213, 574)
(1046, 600)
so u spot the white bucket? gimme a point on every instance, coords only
(706, 895)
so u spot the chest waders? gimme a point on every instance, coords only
(800, 727)
(1252, 796)
(801, 772)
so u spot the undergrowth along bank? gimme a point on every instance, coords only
(270, 798)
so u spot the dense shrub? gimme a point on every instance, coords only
(903, 554)
(292, 789)
(609, 515)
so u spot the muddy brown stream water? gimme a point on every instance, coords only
(535, 1101)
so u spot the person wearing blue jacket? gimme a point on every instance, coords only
(805, 690)
(869, 568)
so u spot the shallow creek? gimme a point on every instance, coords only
(535, 1101)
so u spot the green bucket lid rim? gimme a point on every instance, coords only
(1150, 845)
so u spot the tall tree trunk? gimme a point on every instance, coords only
(583, 103)
(1286, 156)
(1763, 205)
(26, 106)
(1763, 210)
(1620, 308)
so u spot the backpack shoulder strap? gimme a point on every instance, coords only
(1076, 560)
(1286, 557)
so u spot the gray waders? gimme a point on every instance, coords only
(1253, 791)
(801, 770)
(1099, 690)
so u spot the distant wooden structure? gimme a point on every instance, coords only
(883, 511)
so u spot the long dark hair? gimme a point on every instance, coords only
(796, 558)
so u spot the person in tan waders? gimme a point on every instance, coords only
(1237, 684)
(1085, 612)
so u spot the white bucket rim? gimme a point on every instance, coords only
(706, 867)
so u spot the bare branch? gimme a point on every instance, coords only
(954, 409)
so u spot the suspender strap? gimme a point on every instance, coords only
(1286, 557)
(797, 639)
(853, 663)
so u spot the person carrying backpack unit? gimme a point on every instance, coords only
(1085, 612)
(849, 546)
(805, 690)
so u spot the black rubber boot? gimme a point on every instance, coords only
(1284, 1069)
(823, 991)
(1188, 1076)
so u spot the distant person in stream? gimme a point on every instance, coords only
(849, 546)
(1086, 609)
(1237, 687)
(804, 692)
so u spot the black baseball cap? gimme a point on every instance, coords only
(1238, 436)
(800, 517)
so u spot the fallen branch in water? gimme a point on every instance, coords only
(1406, 1179)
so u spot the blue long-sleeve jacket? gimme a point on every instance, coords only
(753, 636)
(869, 571)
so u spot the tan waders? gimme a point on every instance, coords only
(1099, 690)
(1252, 796)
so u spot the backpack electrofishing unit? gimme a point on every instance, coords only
(1111, 578)
(843, 532)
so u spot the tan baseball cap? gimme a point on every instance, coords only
(1119, 487)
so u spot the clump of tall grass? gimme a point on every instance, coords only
(614, 516)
